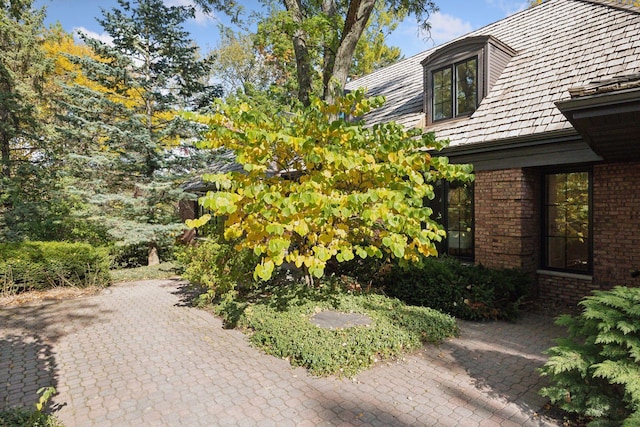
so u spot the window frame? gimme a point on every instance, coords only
(544, 215)
(442, 189)
(453, 85)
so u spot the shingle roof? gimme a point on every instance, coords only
(560, 44)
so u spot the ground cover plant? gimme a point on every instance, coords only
(26, 266)
(595, 371)
(470, 292)
(21, 417)
(277, 319)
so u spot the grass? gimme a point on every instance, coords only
(160, 271)
(277, 320)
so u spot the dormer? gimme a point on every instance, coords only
(459, 75)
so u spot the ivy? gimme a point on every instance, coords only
(316, 186)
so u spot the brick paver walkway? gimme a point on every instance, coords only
(136, 355)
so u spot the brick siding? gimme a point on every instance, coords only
(507, 229)
(616, 223)
(506, 220)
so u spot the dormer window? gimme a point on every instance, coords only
(455, 89)
(459, 75)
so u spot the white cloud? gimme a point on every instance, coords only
(103, 37)
(446, 27)
(201, 18)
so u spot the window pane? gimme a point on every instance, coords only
(460, 214)
(466, 86)
(556, 222)
(556, 250)
(567, 221)
(577, 255)
(442, 96)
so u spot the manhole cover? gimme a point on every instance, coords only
(339, 320)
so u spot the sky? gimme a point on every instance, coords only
(455, 18)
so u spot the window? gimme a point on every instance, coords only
(567, 222)
(455, 90)
(453, 209)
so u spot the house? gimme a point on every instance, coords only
(546, 105)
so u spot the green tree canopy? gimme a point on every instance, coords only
(129, 145)
(324, 34)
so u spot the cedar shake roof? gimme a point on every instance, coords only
(559, 44)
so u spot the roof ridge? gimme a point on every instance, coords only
(626, 5)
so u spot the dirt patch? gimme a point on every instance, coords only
(60, 293)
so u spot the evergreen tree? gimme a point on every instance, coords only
(127, 143)
(27, 172)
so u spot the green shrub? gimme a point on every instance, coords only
(216, 264)
(40, 265)
(137, 254)
(595, 371)
(18, 417)
(278, 319)
(464, 291)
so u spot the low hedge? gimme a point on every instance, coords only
(40, 265)
(471, 292)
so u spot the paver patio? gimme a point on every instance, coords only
(137, 355)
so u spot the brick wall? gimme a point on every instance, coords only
(563, 290)
(507, 229)
(506, 219)
(616, 223)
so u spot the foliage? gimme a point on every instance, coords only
(322, 37)
(464, 291)
(128, 150)
(216, 264)
(279, 323)
(19, 417)
(316, 186)
(164, 270)
(133, 255)
(27, 156)
(40, 265)
(241, 66)
(595, 371)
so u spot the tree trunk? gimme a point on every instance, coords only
(354, 25)
(153, 259)
(329, 54)
(6, 155)
(303, 64)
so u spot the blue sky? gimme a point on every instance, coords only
(456, 17)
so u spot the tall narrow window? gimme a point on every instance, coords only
(455, 90)
(453, 209)
(466, 86)
(442, 105)
(567, 222)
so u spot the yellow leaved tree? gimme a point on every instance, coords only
(316, 186)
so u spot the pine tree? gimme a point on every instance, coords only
(26, 155)
(129, 143)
